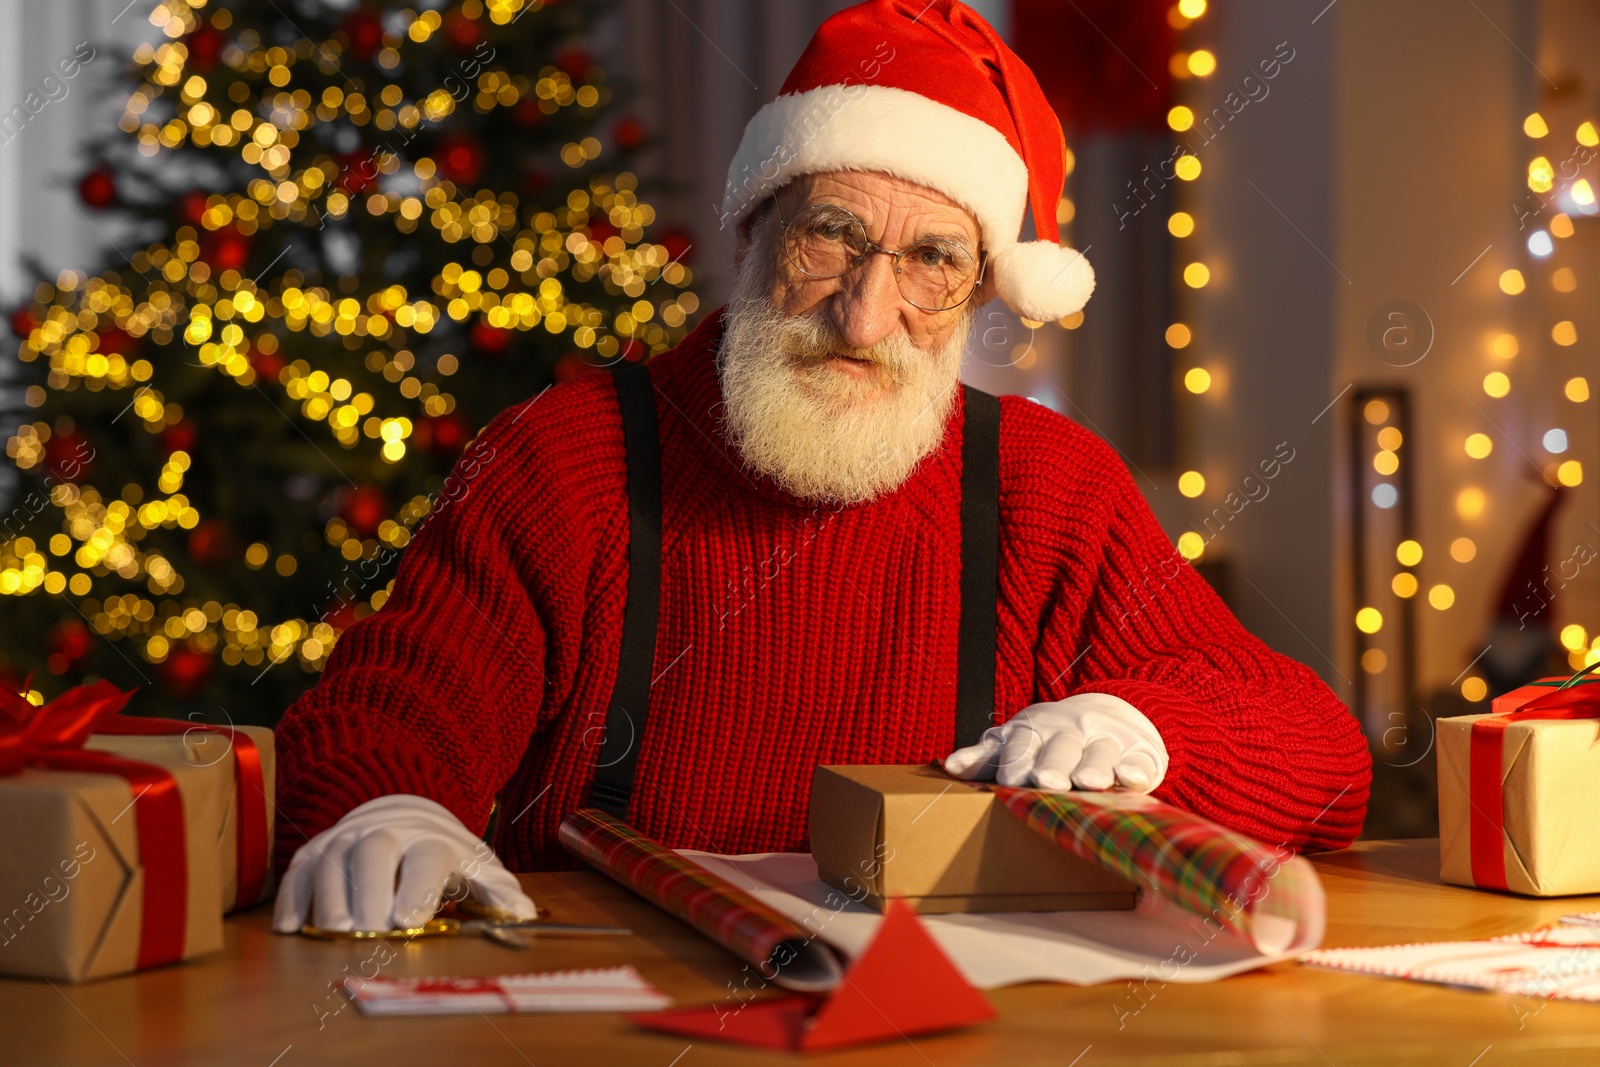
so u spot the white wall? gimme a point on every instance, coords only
(1432, 159)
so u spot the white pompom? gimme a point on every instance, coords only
(1042, 281)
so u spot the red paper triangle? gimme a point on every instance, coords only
(903, 984)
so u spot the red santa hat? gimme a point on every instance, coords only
(929, 93)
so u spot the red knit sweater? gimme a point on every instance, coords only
(790, 635)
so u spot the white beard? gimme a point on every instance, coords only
(817, 430)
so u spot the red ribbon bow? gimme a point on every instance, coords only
(1573, 699)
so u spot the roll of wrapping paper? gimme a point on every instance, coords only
(1268, 896)
(780, 950)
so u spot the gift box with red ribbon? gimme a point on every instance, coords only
(117, 837)
(243, 826)
(1519, 788)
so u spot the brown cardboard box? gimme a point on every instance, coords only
(201, 748)
(72, 881)
(885, 832)
(1550, 770)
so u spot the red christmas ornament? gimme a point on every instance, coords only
(601, 230)
(70, 640)
(267, 365)
(528, 113)
(98, 188)
(574, 63)
(460, 158)
(68, 456)
(490, 340)
(181, 436)
(629, 133)
(185, 670)
(444, 435)
(357, 170)
(23, 322)
(571, 365)
(461, 31)
(192, 206)
(226, 249)
(113, 339)
(204, 45)
(364, 33)
(341, 615)
(365, 507)
(679, 243)
(632, 350)
(211, 542)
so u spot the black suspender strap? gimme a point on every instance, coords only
(630, 698)
(980, 562)
(980, 536)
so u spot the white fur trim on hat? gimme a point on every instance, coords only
(1041, 280)
(881, 128)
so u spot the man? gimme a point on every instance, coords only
(810, 592)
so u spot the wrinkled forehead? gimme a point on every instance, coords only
(893, 209)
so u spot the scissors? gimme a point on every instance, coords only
(498, 926)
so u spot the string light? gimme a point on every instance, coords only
(1564, 334)
(1197, 380)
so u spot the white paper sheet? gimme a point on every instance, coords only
(1561, 962)
(1004, 948)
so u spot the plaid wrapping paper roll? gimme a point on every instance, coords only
(1265, 895)
(720, 910)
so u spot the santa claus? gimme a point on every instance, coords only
(798, 539)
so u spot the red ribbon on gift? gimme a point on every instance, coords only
(51, 737)
(1571, 700)
(250, 827)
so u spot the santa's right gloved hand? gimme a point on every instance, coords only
(390, 864)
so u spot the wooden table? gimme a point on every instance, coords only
(270, 1001)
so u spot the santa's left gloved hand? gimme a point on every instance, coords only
(1088, 741)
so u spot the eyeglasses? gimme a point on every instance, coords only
(827, 241)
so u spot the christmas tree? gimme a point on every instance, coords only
(358, 233)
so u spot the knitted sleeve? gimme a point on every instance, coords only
(1257, 741)
(436, 694)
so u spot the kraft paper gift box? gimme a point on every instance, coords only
(882, 833)
(113, 864)
(1518, 792)
(243, 823)
(91, 886)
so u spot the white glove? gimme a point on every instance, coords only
(1088, 741)
(390, 864)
